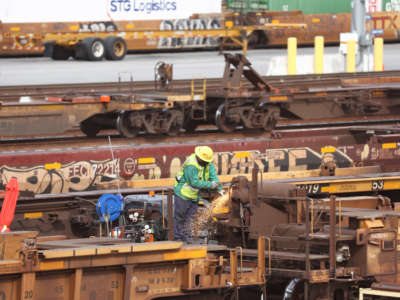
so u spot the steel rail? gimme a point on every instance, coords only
(206, 133)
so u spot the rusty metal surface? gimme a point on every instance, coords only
(62, 167)
(116, 269)
(259, 104)
(352, 243)
(303, 81)
(328, 25)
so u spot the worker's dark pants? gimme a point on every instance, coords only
(184, 212)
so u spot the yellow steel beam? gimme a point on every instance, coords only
(352, 185)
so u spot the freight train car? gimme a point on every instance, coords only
(153, 163)
(241, 99)
(316, 248)
(60, 186)
(309, 6)
(117, 269)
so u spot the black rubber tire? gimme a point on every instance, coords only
(93, 49)
(60, 53)
(115, 48)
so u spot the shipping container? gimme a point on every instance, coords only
(248, 5)
(310, 6)
(28, 11)
(391, 5)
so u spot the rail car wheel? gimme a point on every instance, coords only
(93, 48)
(222, 122)
(125, 126)
(115, 48)
(176, 123)
(89, 128)
(174, 129)
(271, 120)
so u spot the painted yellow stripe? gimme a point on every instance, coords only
(186, 254)
(52, 166)
(15, 28)
(49, 254)
(347, 187)
(328, 149)
(389, 146)
(378, 93)
(229, 24)
(278, 98)
(52, 107)
(33, 215)
(391, 184)
(146, 160)
(242, 154)
(51, 265)
(129, 26)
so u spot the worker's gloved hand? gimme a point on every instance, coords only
(215, 184)
(221, 192)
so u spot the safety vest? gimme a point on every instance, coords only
(203, 173)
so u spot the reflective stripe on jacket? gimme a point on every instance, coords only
(183, 187)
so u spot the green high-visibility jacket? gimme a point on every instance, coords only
(192, 177)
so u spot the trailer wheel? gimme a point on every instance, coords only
(93, 49)
(61, 53)
(115, 48)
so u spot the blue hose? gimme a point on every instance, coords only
(109, 206)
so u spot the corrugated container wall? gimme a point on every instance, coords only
(391, 5)
(312, 6)
(247, 5)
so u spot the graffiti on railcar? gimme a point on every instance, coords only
(98, 27)
(89, 175)
(189, 24)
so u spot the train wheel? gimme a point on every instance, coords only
(176, 124)
(93, 48)
(115, 48)
(125, 127)
(89, 128)
(174, 129)
(222, 121)
(271, 121)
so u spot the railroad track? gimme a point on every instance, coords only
(76, 138)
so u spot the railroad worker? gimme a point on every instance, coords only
(197, 173)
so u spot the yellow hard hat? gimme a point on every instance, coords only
(204, 153)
